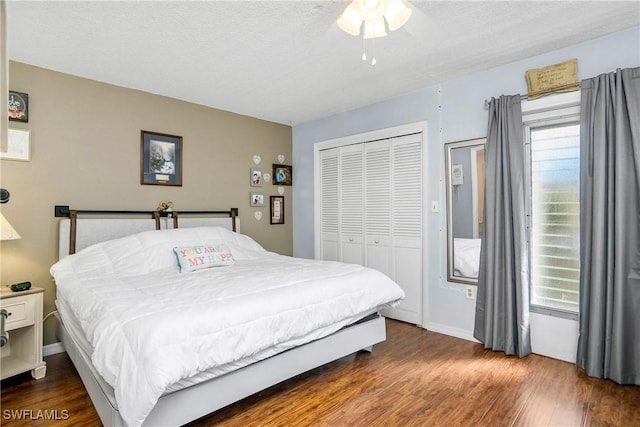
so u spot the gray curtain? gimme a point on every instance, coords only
(502, 305)
(609, 343)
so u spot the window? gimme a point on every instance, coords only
(553, 152)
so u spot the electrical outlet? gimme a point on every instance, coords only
(470, 292)
(434, 206)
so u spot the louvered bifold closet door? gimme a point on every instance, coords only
(351, 204)
(377, 212)
(329, 205)
(406, 212)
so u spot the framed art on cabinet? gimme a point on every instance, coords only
(160, 159)
(282, 174)
(277, 210)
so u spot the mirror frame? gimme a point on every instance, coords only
(447, 156)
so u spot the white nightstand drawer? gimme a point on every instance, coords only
(21, 312)
(23, 351)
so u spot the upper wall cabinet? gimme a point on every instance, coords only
(371, 212)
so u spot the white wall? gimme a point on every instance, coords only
(455, 111)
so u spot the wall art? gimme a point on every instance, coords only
(160, 159)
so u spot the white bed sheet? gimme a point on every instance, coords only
(150, 326)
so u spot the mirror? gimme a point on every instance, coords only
(464, 162)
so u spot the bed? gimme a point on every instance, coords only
(160, 339)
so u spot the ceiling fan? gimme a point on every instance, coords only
(374, 19)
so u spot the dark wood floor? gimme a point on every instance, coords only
(415, 378)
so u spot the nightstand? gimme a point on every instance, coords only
(23, 351)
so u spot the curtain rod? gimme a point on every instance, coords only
(574, 86)
(486, 101)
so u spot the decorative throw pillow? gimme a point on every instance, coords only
(192, 258)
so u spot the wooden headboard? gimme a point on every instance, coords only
(78, 232)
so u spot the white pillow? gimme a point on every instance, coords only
(192, 258)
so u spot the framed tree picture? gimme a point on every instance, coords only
(160, 159)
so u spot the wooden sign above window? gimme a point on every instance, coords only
(561, 77)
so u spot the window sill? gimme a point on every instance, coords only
(554, 312)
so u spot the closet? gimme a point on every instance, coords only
(370, 211)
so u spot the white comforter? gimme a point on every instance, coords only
(151, 326)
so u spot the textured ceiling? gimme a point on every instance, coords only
(287, 61)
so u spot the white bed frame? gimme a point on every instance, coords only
(191, 403)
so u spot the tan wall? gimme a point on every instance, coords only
(85, 141)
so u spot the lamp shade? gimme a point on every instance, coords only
(397, 14)
(7, 232)
(350, 21)
(371, 9)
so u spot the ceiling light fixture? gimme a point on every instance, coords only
(374, 13)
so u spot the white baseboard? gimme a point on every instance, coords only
(448, 330)
(54, 348)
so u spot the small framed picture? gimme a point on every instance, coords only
(256, 178)
(18, 106)
(282, 174)
(160, 159)
(277, 210)
(256, 199)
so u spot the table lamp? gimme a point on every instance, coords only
(7, 232)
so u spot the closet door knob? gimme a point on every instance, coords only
(377, 241)
(351, 239)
